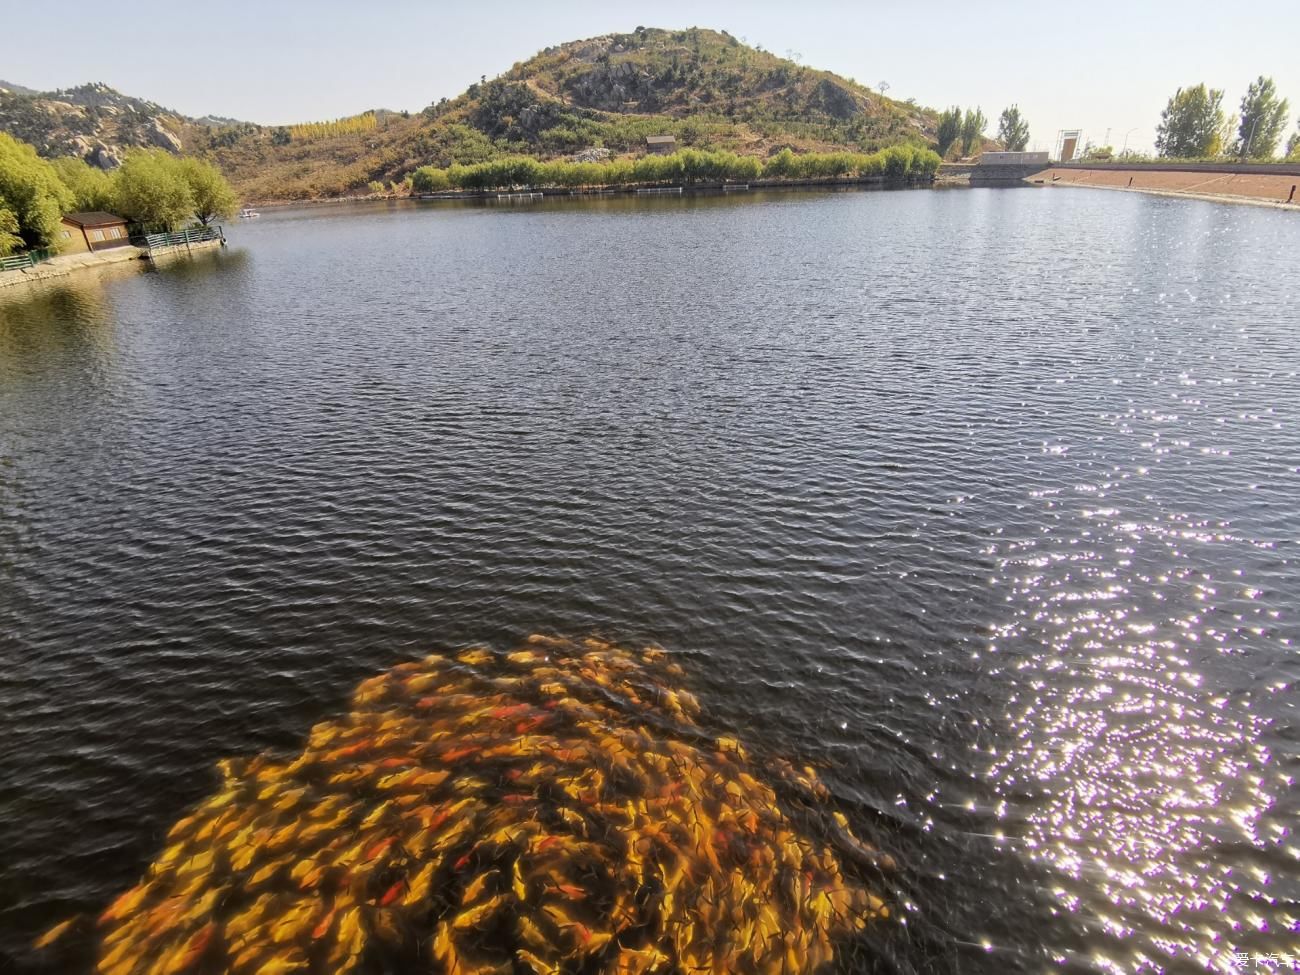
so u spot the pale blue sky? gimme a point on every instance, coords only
(1100, 66)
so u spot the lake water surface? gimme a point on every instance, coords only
(984, 503)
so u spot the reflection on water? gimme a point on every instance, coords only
(554, 808)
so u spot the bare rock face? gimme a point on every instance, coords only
(92, 121)
(104, 158)
(93, 152)
(612, 86)
(593, 154)
(160, 137)
(833, 100)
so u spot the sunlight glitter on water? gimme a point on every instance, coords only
(1137, 778)
(1131, 777)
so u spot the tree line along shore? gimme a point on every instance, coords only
(152, 189)
(897, 163)
(156, 191)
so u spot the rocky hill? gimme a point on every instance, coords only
(92, 121)
(704, 87)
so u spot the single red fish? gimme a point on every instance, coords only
(196, 946)
(320, 930)
(392, 893)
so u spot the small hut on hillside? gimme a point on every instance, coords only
(661, 144)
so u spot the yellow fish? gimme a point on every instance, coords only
(476, 914)
(53, 934)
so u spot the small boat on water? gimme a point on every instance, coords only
(248, 213)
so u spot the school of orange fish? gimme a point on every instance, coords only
(554, 809)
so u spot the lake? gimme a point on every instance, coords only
(982, 503)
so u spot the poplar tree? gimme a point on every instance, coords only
(1013, 130)
(972, 129)
(1263, 117)
(949, 130)
(1191, 126)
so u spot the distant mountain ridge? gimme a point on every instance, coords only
(10, 87)
(704, 87)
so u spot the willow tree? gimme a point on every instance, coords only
(10, 240)
(91, 187)
(153, 191)
(213, 197)
(429, 179)
(33, 196)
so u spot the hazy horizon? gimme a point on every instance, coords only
(1108, 73)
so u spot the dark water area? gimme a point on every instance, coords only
(983, 503)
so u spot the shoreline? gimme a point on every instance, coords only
(64, 265)
(629, 189)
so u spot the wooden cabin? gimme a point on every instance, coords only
(661, 144)
(92, 231)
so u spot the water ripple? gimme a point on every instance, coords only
(997, 532)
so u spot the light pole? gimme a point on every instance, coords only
(1126, 135)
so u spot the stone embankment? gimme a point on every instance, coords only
(65, 264)
(977, 174)
(1262, 184)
